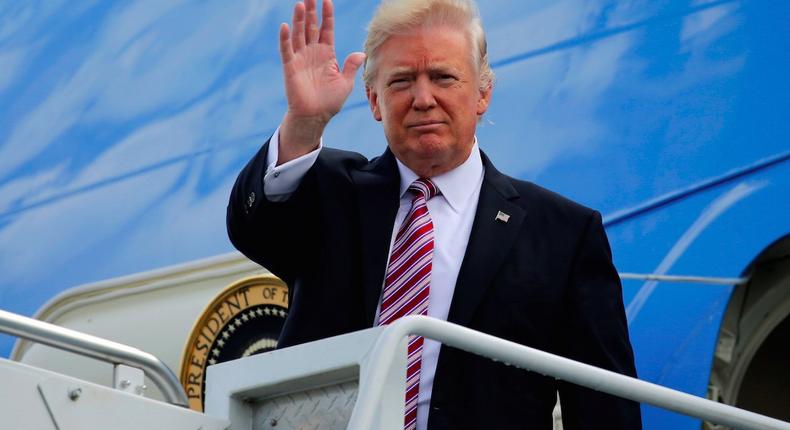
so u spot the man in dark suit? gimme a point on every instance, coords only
(487, 251)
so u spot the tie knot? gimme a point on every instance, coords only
(425, 188)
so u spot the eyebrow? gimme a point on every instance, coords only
(407, 70)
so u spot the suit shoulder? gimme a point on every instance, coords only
(340, 157)
(532, 197)
(537, 199)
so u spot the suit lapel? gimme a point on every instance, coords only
(379, 188)
(489, 242)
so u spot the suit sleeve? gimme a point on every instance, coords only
(596, 332)
(281, 236)
(280, 182)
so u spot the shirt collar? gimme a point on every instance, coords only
(453, 185)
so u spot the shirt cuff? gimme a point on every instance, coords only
(279, 182)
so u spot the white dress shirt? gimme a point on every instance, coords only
(452, 212)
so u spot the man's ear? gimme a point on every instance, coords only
(484, 100)
(373, 100)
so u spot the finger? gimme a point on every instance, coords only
(352, 64)
(297, 32)
(311, 26)
(327, 24)
(286, 51)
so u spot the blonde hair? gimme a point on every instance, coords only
(397, 17)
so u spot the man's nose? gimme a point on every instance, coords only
(422, 92)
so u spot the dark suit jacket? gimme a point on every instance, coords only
(543, 279)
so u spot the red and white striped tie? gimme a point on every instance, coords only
(406, 287)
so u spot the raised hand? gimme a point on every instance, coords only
(315, 85)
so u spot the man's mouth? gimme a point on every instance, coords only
(426, 126)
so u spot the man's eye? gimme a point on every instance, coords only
(399, 83)
(446, 78)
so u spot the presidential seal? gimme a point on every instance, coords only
(243, 320)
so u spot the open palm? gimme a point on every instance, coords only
(315, 85)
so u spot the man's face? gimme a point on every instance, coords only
(426, 93)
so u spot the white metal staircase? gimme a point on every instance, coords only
(354, 381)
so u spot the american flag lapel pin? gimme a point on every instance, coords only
(502, 217)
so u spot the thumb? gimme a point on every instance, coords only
(352, 64)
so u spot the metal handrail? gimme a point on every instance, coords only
(710, 280)
(392, 339)
(98, 348)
